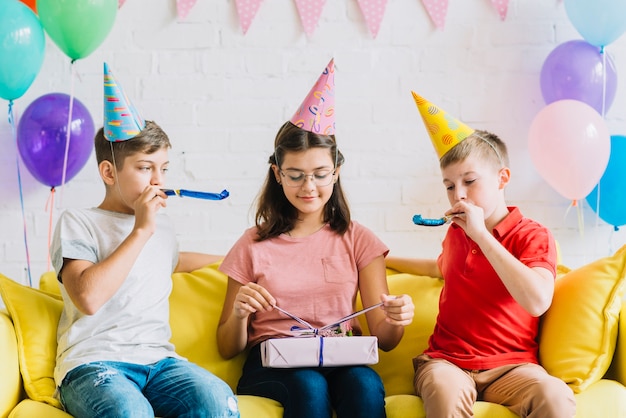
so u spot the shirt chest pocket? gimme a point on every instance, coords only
(339, 269)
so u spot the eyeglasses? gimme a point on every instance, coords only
(296, 178)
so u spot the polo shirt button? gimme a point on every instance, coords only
(473, 251)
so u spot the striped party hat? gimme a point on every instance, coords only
(317, 111)
(121, 120)
(444, 130)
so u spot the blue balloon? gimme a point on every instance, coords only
(599, 22)
(612, 200)
(22, 44)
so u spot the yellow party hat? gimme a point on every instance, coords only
(444, 130)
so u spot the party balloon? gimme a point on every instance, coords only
(599, 22)
(32, 4)
(612, 202)
(78, 27)
(42, 138)
(569, 144)
(22, 44)
(578, 70)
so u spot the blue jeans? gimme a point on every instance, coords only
(168, 388)
(354, 391)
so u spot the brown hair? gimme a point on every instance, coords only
(275, 214)
(151, 139)
(485, 145)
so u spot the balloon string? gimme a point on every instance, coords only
(19, 182)
(581, 220)
(69, 130)
(603, 81)
(50, 207)
(575, 204)
(597, 225)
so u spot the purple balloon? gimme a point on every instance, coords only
(42, 138)
(575, 70)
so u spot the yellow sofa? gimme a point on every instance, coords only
(582, 341)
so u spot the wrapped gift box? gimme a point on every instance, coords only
(319, 351)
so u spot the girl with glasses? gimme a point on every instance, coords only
(306, 256)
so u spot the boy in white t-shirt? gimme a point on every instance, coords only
(114, 263)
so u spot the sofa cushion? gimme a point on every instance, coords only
(195, 308)
(35, 315)
(10, 378)
(579, 331)
(395, 367)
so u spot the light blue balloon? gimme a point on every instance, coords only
(599, 22)
(612, 201)
(22, 44)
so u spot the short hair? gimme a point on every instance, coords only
(151, 139)
(485, 145)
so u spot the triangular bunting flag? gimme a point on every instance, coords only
(183, 7)
(502, 7)
(310, 12)
(437, 10)
(373, 12)
(120, 3)
(246, 9)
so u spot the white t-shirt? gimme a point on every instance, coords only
(133, 326)
(314, 277)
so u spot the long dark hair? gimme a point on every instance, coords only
(275, 214)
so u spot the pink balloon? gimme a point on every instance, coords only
(570, 145)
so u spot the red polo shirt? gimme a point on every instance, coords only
(480, 326)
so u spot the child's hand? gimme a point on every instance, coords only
(252, 298)
(146, 206)
(399, 309)
(469, 217)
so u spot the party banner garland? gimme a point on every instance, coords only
(311, 10)
(437, 10)
(246, 9)
(501, 6)
(183, 7)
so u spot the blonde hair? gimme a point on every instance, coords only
(485, 145)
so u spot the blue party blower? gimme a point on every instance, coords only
(196, 195)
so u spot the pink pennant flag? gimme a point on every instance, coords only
(120, 3)
(373, 12)
(437, 10)
(183, 7)
(246, 9)
(502, 7)
(310, 12)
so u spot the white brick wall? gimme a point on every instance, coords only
(222, 95)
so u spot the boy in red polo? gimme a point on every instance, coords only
(498, 269)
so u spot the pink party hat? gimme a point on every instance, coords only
(317, 111)
(444, 130)
(121, 119)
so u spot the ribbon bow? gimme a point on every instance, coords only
(326, 330)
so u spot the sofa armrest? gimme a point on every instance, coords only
(617, 370)
(10, 380)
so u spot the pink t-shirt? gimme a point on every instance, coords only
(480, 325)
(315, 278)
